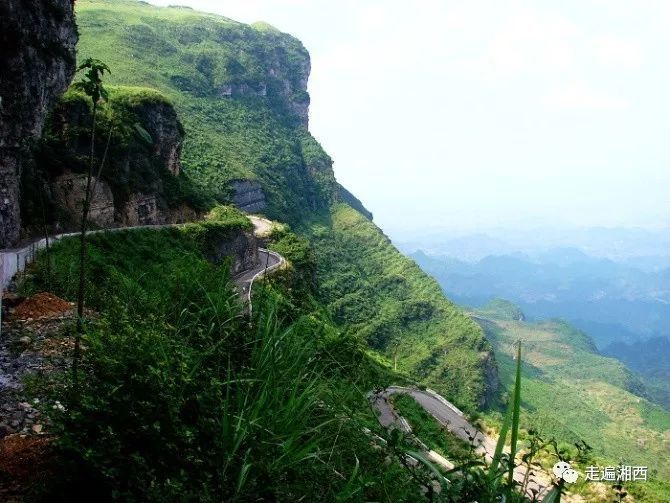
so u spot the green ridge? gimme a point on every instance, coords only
(260, 137)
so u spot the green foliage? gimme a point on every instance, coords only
(298, 251)
(119, 260)
(228, 216)
(573, 394)
(182, 399)
(383, 298)
(91, 83)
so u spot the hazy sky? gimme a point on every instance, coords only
(484, 113)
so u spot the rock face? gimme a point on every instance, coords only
(139, 177)
(37, 57)
(142, 209)
(162, 123)
(491, 378)
(248, 196)
(284, 77)
(241, 247)
(70, 188)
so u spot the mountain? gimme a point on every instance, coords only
(570, 392)
(651, 359)
(240, 92)
(610, 300)
(170, 386)
(645, 248)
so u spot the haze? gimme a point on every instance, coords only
(482, 114)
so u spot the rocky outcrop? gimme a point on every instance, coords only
(141, 209)
(261, 62)
(37, 57)
(69, 190)
(248, 196)
(161, 122)
(491, 380)
(182, 214)
(141, 180)
(239, 247)
(283, 83)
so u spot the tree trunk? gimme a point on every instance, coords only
(82, 258)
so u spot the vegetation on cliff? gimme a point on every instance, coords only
(182, 398)
(239, 91)
(383, 298)
(240, 94)
(143, 158)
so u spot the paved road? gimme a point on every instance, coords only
(455, 421)
(267, 261)
(13, 261)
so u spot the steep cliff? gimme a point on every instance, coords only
(347, 197)
(241, 92)
(37, 57)
(141, 182)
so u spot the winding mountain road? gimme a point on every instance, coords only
(454, 420)
(13, 261)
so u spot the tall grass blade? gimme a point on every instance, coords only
(553, 496)
(515, 416)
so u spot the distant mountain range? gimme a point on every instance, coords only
(624, 309)
(612, 301)
(571, 392)
(641, 248)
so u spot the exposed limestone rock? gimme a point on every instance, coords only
(492, 380)
(248, 196)
(182, 214)
(162, 123)
(141, 209)
(241, 247)
(69, 191)
(37, 57)
(137, 175)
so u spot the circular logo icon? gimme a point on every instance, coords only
(564, 471)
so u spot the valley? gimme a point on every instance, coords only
(194, 308)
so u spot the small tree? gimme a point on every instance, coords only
(91, 85)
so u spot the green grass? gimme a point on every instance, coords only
(384, 299)
(570, 392)
(183, 399)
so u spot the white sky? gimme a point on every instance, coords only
(488, 113)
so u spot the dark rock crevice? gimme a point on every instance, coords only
(37, 57)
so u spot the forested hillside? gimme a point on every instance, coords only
(240, 92)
